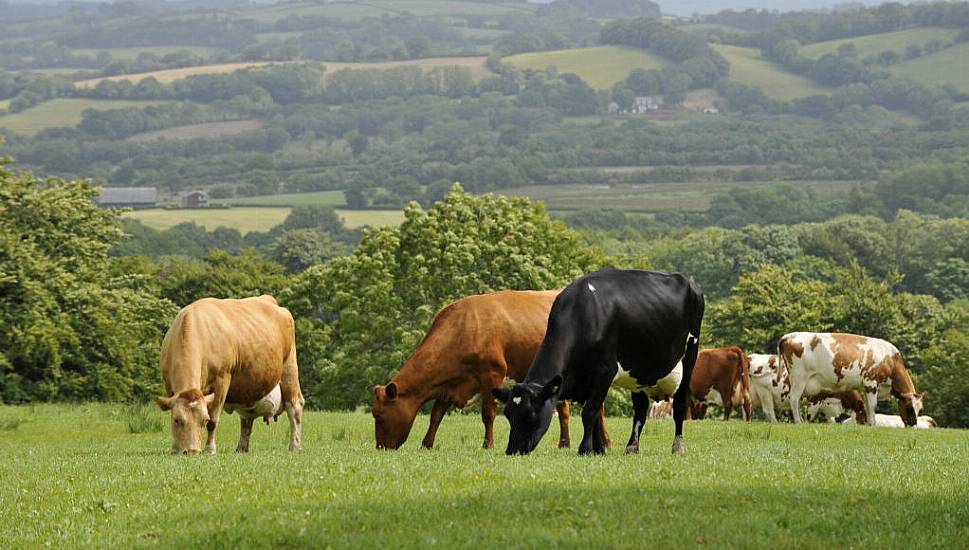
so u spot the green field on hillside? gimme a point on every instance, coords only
(874, 44)
(247, 219)
(74, 476)
(314, 198)
(62, 112)
(168, 76)
(747, 67)
(948, 66)
(647, 197)
(129, 54)
(600, 67)
(376, 8)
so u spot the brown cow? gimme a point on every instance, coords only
(721, 377)
(473, 345)
(240, 354)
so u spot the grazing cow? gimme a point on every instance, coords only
(895, 421)
(661, 410)
(835, 405)
(473, 345)
(765, 388)
(645, 321)
(721, 377)
(233, 355)
(828, 363)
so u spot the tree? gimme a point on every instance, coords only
(298, 249)
(378, 302)
(69, 328)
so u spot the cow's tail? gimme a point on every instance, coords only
(783, 360)
(745, 370)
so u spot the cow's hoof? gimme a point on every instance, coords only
(564, 444)
(241, 450)
(678, 447)
(295, 448)
(632, 449)
(210, 450)
(583, 451)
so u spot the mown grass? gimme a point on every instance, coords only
(168, 76)
(63, 112)
(747, 67)
(247, 219)
(75, 477)
(874, 44)
(948, 66)
(600, 67)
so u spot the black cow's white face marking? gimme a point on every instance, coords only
(529, 409)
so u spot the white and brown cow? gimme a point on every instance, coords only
(818, 364)
(765, 386)
(233, 355)
(895, 421)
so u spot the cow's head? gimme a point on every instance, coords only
(529, 408)
(910, 407)
(393, 417)
(190, 412)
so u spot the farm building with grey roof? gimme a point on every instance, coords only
(131, 197)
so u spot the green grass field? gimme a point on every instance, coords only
(948, 66)
(247, 219)
(314, 198)
(62, 112)
(75, 477)
(747, 67)
(130, 54)
(168, 76)
(600, 67)
(874, 44)
(646, 197)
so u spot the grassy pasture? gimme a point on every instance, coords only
(168, 76)
(191, 131)
(948, 66)
(247, 219)
(601, 66)
(75, 476)
(747, 67)
(130, 54)
(645, 197)
(63, 112)
(874, 44)
(313, 198)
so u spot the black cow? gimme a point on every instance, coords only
(645, 320)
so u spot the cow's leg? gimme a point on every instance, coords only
(767, 404)
(489, 409)
(215, 410)
(244, 433)
(602, 426)
(747, 407)
(437, 414)
(293, 400)
(794, 398)
(565, 412)
(871, 402)
(593, 440)
(726, 397)
(640, 414)
(681, 399)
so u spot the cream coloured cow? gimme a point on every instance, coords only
(819, 364)
(895, 421)
(229, 355)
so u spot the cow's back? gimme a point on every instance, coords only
(247, 339)
(836, 362)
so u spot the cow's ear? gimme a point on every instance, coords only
(553, 387)
(209, 399)
(501, 394)
(923, 394)
(164, 403)
(391, 391)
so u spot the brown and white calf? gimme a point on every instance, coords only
(817, 364)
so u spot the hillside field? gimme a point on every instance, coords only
(168, 76)
(874, 44)
(948, 66)
(376, 8)
(63, 112)
(76, 477)
(247, 219)
(601, 66)
(747, 67)
(312, 198)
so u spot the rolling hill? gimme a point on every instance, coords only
(747, 67)
(948, 66)
(873, 44)
(62, 112)
(601, 66)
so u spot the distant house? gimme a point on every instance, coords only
(644, 104)
(128, 197)
(613, 108)
(195, 199)
(711, 111)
